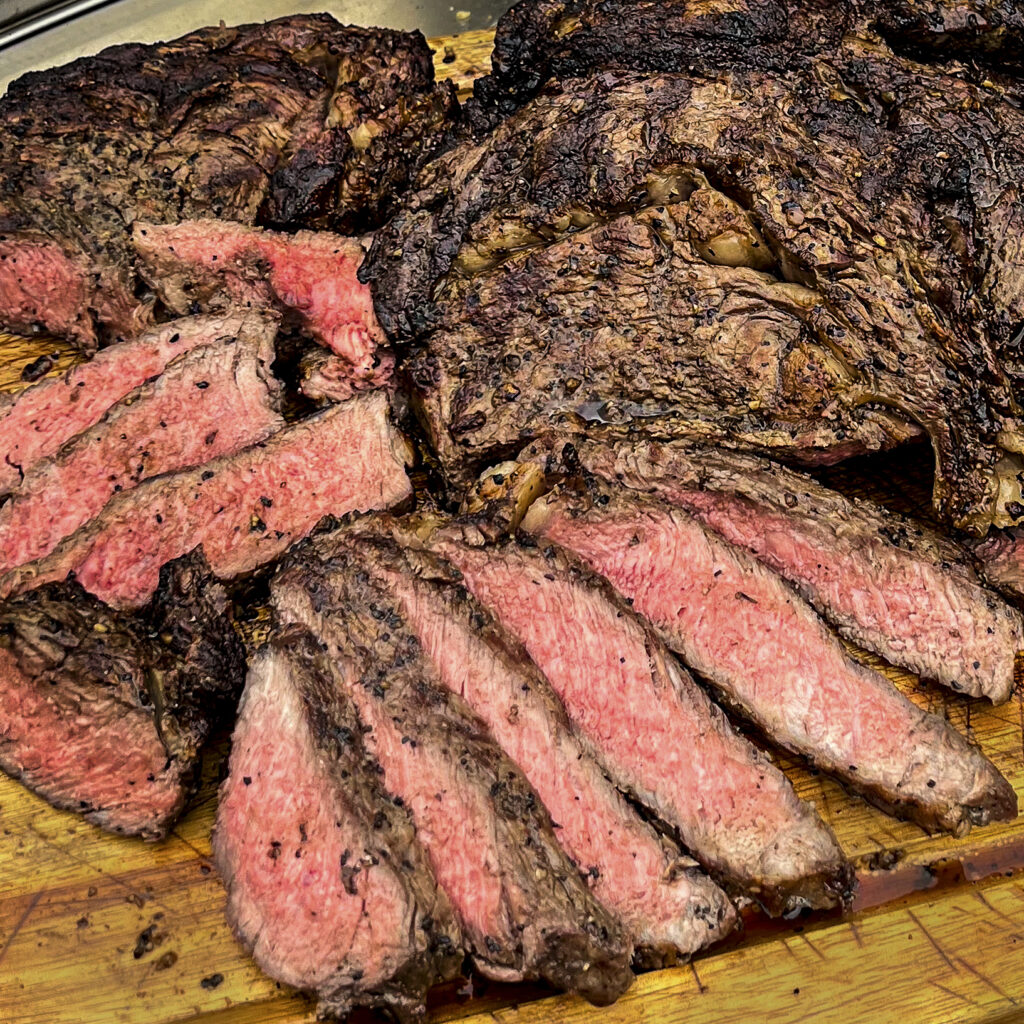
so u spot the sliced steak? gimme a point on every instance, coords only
(892, 585)
(104, 713)
(299, 122)
(747, 257)
(35, 422)
(1001, 557)
(325, 377)
(665, 903)
(208, 403)
(652, 728)
(244, 509)
(523, 907)
(328, 887)
(310, 275)
(743, 628)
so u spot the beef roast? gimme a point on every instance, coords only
(310, 275)
(653, 730)
(328, 887)
(104, 713)
(665, 903)
(750, 256)
(37, 421)
(743, 628)
(523, 907)
(890, 584)
(210, 402)
(243, 509)
(299, 121)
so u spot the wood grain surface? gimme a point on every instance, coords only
(97, 929)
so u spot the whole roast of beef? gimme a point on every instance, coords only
(300, 121)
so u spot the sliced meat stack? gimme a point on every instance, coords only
(523, 907)
(103, 713)
(747, 256)
(310, 275)
(298, 122)
(653, 730)
(244, 509)
(329, 888)
(742, 627)
(210, 402)
(36, 422)
(889, 584)
(664, 902)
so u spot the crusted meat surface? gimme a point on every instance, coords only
(104, 713)
(327, 884)
(522, 905)
(298, 122)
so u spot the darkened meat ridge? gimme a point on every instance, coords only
(310, 276)
(34, 423)
(208, 403)
(244, 510)
(1001, 557)
(649, 256)
(296, 122)
(522, 905)
(743, 628)
(328, 887)
(890, 584)
(325, 377)
(665, 903)
(652, 728)
(103, 713)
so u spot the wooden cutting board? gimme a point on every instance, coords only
(96, 929)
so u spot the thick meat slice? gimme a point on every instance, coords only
(210, 402)
(328, 887)
(811, 262)
(523, 907)
(311, 275)
(654, 731)
(741, 626)
(37, 421)
(296, 122)
(103, 713)
(665, 903)
(894, 586)
(243, 509)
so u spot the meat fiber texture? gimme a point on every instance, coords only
(211, 402)
(299, 122)
(652, 729)
(36, 422)
(1001, 557)
(648, 256)
(244, 509)
(744, 629)
(524, 910)
(103, 713)
(328, 887)
(325, 377)
(310, 275)
(665, 903)
(538, 40)
(887, 583)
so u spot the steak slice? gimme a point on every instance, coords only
(311, 275)
(325, 377)
(523, 907)
(210, 402)
(664, 902)
(653, 729)
(296, 122)
(35, 422)
(244, 509)
(742, 627)
(892, 585)
(103, 713)
(747, 258)
(328, 887)
(1001, 557)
